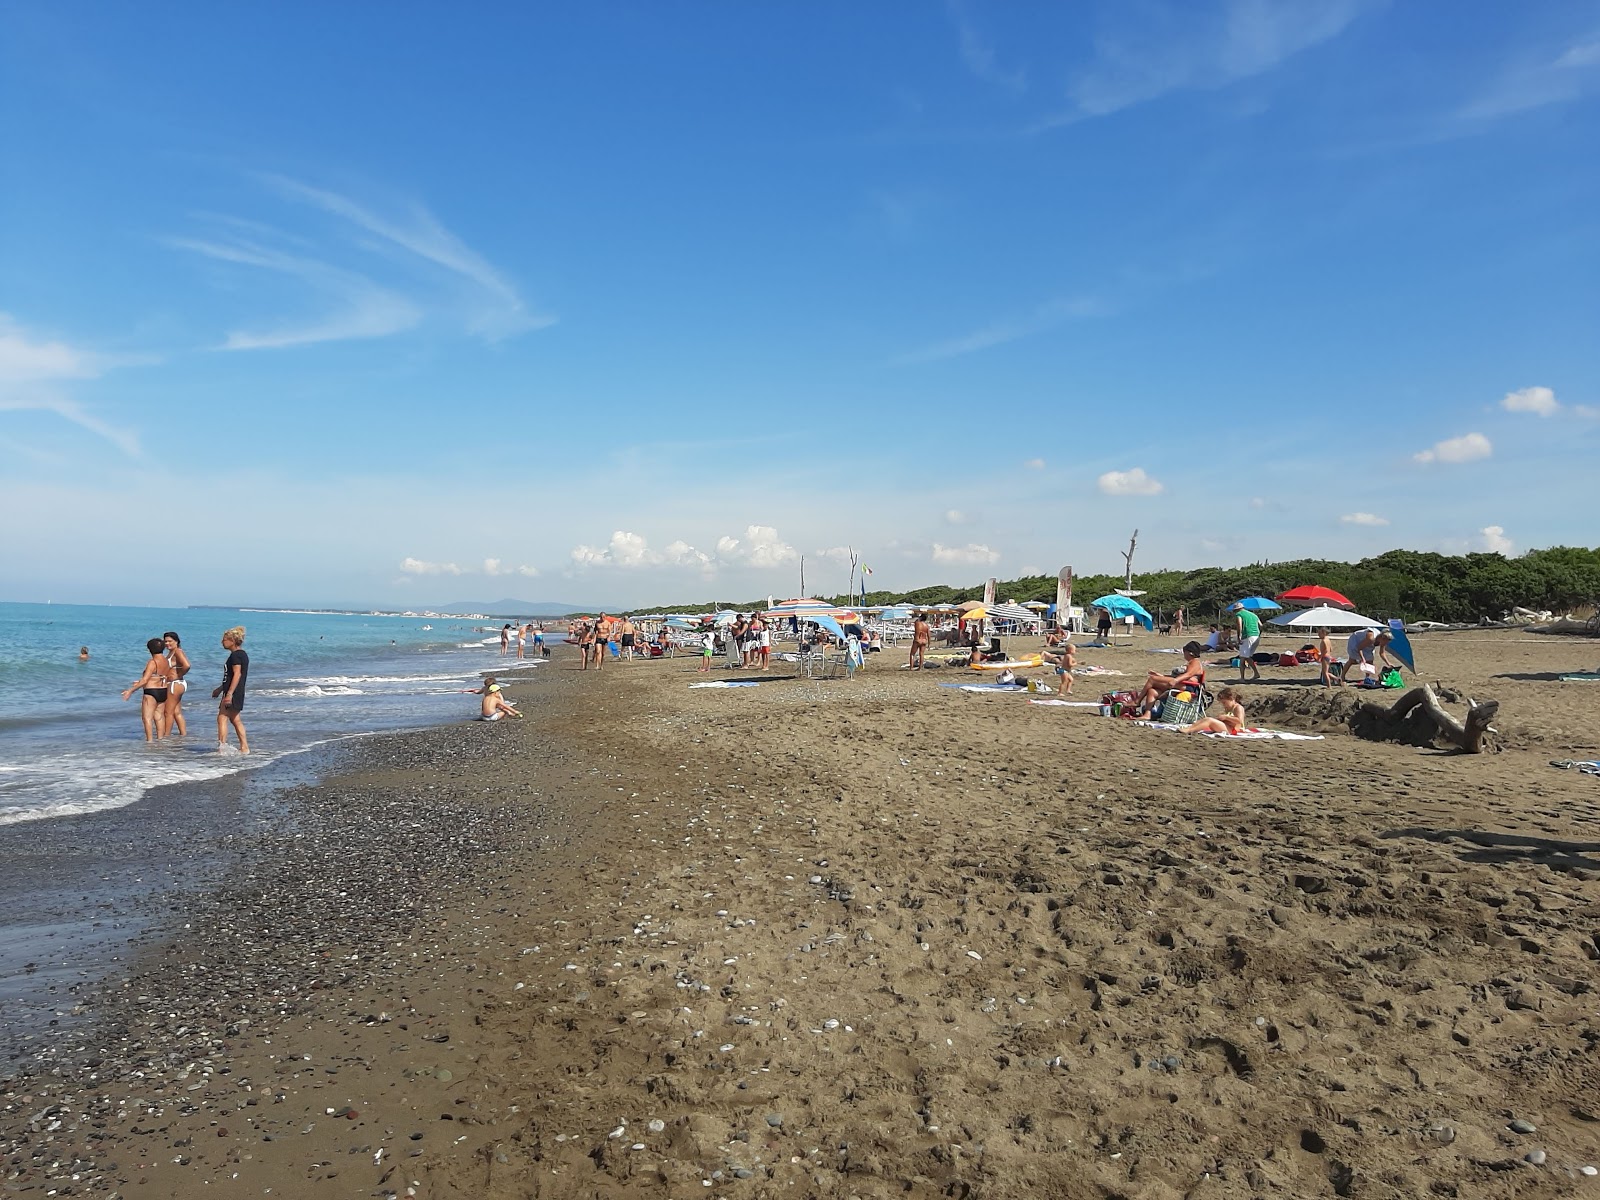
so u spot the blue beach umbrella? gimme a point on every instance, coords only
(1400, 644)
(894, 614)
(1255, 604)
(1123, 606)
(828, 623)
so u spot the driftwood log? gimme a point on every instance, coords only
(1419, 715)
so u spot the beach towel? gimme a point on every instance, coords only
(1586, 768)
(1581, 677)
(1068, 703)
(726, 683)
(986, 687)
(1033, 660)
(1083, 670)
(1244, 735)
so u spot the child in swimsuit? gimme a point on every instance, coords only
(1229, 720)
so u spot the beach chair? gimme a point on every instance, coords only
(1183, 705)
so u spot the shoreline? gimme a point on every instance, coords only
(871, 937)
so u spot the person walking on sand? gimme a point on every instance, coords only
(708, 647)
(521, 635)
(920, 635)
(602, 639)
(586, 637)
(1325, 656)
(178, 668)
(505, 638)
(1177, 623)
(1249, 626)
(153, 680)
(231, 690)
(629, 634)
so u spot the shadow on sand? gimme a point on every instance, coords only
(1510, 847)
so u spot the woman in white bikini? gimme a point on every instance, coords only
(177, 668)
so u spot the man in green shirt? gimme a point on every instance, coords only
(1249, 634)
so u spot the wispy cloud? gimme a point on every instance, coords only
(1469, 447)
(33, 370)
(361, 308)
(492, 567)
(417, 566)
(501, 312)
(972, 554)
(759, 546)
(1539, 80)
(979, 55)
(1363, 518)
(441, 274)
(1157, 49)
(1009, 329)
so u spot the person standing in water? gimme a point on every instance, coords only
(231, 690)
(177, 669)
(153, 680)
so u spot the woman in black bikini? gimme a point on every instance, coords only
(153, 706)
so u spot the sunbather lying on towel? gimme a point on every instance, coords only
(1229, 720)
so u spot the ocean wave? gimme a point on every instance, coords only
(313, 689)
(327, 681)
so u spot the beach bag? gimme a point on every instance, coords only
(1183, 705)
(1392, 679)
(1288, 660)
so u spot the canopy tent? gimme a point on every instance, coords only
(1123, 606)
(1255, 604)
(1326, 618)
(1310, 593)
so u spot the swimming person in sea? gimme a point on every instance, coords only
(152, 707)
(178, 667)
(231, 690)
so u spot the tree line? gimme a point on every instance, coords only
(1414, 585)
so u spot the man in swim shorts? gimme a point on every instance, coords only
(1249, 635)
(628, 636)
(920, 636)
(1360, 649)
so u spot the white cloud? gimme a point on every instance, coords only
(972, 554)
(1469, 447)
(1493, 539)
(681, 554)
(1540, 400)
(1363, 518)
(1587, 411)
(496, 566)
(1130, 483)
(415, 566)
(1034, 464)
(834, 554)
(979, 56)
(760, 547)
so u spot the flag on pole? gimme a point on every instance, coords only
(866, 570)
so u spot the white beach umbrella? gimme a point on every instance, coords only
(1326, 618)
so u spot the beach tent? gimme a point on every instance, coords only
(1400, 644)
(1120, 606)
(1326, 618)
(1310, 593)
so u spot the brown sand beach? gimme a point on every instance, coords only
(875, 938)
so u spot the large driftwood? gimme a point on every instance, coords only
(1420, 706)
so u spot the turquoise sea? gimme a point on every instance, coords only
(70, 745)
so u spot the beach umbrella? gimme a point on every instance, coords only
(805, 609)
(1311, 593)
(683, 623)
(1326, 618)
(1400, 644)
(1037, 605)
(1255, 604)
(974, 614)
(895, 614)
(1124, 606)
(726, 617)
(969, 605)
(1012, 612)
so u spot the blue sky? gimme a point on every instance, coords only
(626, 302)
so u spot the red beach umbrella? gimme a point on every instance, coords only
(1311, 594)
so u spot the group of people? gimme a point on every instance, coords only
(164, 682)
(524, 636)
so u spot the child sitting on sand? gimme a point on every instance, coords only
(495, 704)
(1229, 720)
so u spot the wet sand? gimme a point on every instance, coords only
(875, 937)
